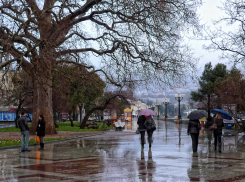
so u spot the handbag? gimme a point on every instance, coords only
(38, 139)
(150, 128)
(213, 126)
(153, 128)
(137, 131)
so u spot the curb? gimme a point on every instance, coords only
(56, 141)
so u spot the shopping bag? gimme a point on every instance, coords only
(38, 140)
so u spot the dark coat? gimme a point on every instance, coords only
(194, 126)
(141, 122)
(40, 130)
(22, 123)
(220, 125)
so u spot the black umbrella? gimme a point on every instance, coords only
(196, 115)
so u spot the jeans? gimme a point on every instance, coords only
(149, 133)
(217, 136)
(194, 137)
(24, 140)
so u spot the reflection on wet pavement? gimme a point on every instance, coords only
(118, 156)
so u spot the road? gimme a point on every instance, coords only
(117, 156)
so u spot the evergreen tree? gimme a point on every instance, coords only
(210, 79)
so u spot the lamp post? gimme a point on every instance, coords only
(179, 97)
(166, 102)
(157, 104)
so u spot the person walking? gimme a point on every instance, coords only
(150, 128)
(40, 131)
(218, 131)
(23, 125)
(141, 122)
(193, 129)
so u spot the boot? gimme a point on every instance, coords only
(219, 147)
(42, 146)
(215, 145)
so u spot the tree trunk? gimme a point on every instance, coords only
(42, 102)
(85, 119)
(55, 120)
(209, 119)
(81, 114)
(71, 119)
(17, 113)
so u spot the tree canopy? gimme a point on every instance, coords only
(232, 90)
(210, 79)
(137, 41)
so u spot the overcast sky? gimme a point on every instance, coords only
(208, 12)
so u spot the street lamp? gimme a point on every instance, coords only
(179, 97)
(157, 104)
(166, 102)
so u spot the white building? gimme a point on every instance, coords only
(137, 106)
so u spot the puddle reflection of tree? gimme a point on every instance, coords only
(83, 147)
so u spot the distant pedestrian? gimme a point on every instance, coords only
(23, 125)
(40, 131)
(150, 128)
(218, 132)
(141, 128)
(193, 129)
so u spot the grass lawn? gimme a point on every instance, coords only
(11, 142)
(65, 126)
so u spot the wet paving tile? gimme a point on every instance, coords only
(117, 156)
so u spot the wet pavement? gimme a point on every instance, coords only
(117, 156)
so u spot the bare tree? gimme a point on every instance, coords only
(136, 40)
(17, 93)
(231, 38)
(109, 101)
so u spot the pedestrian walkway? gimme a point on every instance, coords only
(117, 156)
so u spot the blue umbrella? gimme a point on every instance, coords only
(224, 114)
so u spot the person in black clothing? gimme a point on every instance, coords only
(218, 132)
(140, 122)
(40, 131)
(194, 127)
(23, 125)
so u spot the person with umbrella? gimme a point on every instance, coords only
(194, 127)
(218, 131)
(141, 128)
(219, 124)
(149, 123)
